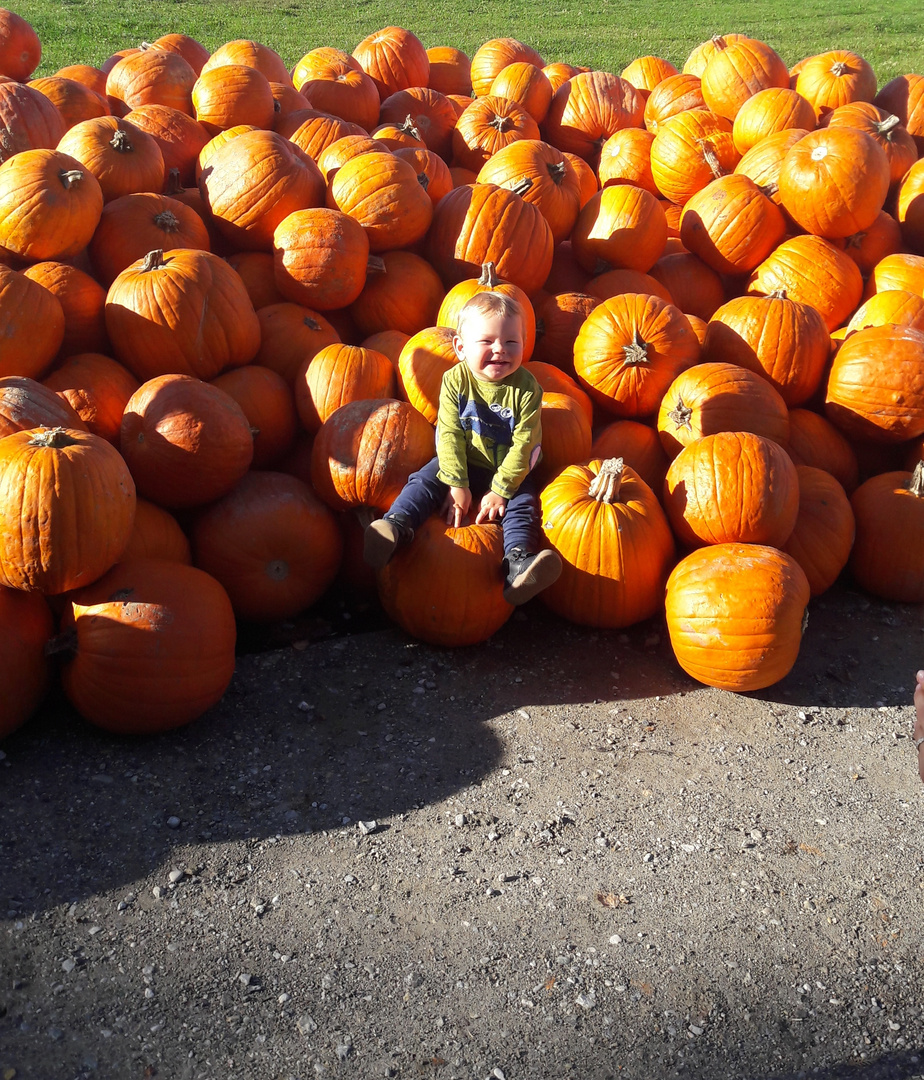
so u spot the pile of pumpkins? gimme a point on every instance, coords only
(227, 299)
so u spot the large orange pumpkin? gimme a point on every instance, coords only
(26, 626)
(888, 554)
(824, 530)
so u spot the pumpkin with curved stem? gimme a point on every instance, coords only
(183, 312)
(339, 374)
(904, 96)
(399, 135)
(430, 112)
(630, 349)
(486, 126)
(26, 627)
(366, 450)
(67, 503)
(123, 158)
(272, 543)
(614, 541)
(885, 128)
(151, 644)
(887, 558)
(732, 487)
(97, 388)
(690, 150)
(823, 534)
(735, 615)
(715, 396)
(835, 78)
(447, 587)
(50, 205)
(875, 388)
(186, 441)
(394, 58)
(785, 341)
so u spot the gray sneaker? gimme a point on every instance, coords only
(528, 573)
(381, 540)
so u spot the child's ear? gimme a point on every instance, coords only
(457, 346)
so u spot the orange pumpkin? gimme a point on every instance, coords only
(32, 325)
(338, 374)
(97, 388)
(394, 59)
(887, 558)
(26, 627)
(83, 302)
(823, 534)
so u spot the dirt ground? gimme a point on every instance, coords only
(551, 855)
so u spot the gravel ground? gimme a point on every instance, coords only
(549, 856)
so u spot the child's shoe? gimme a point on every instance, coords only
(382, 537)
(528, 573)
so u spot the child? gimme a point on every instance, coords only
(918, 732)
(488, 431)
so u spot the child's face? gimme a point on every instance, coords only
(491, 345)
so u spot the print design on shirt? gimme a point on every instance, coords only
(494, 424)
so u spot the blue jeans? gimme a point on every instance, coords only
(423, 495)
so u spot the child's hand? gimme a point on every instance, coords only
(456, 506)
(492, 508)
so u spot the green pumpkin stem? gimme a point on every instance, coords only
(606, 484)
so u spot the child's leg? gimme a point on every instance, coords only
(918, 732)
(528, 566)
(419, 498)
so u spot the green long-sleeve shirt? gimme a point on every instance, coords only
(494, 426)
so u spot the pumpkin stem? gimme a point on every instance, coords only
(719, 42)
(173, 185)
(769, 190)
(70, 177)
(375, 264)
(888, 125)
(501, 123)
(410, 128)
(916, 483)
(66, 641)
(168, 221)
(712, 158)
(54, 438)
(154, 260)
(606, 484)
(839, 67)
(423, 180)
(557, 171)
(680, 414)
(121, 142)
(777, 294)
(312, 324)
(522, 186)
(489, 276)
(636, 352)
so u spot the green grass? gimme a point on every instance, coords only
(605, 35)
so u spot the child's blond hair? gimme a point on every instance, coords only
(491, 303)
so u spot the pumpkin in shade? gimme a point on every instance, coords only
(83, 302)
(712, 397)
(735, 615)
(732, 487)
(289, 336)
(888, 554)
(151, 644)
(272, 543)
(67, 503)
(875, 387)
(638, 445)
(186, 441)
(447, 587)
(824, 530)
(815, 441)
(25, 403)
(26, 626)
(366, 450)
(269, 405)
(614, 541)
(181, 312)
(32, 325)
(98, 389)
(157, 534)
(566, 433)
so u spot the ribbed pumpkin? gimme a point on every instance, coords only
(885, 128)
(785, 341)
(835, 78)
(26, 626)
(888, 554)
(50, 205)
(251, 54)
(268, 403)
(735, 614)
(875, 387)
(763, 161)
(82, 300)
(647, 72)
(620, 226)
(338, 374)
(184, 312)
(272, 544)
(775, 109)
(366, 450)
(824, 530)
(97, 388)
(28, 120)
(431, 113)
(382, 193)
(732, 487)
(123, 158)
(230, 95)
(488, 281)
(588, 109)
(488, 125)
(450, 70)
(559, 318)
(73, 100)
(896, 306)
(479, 223)
(689, 151)
(614, 541)
(625, 157)
(739, 70)
(447, 587)
(186, 442)
(320, 258)
(716, 396)
(897, 271)
(156, 534)
(675, 95)
(152, 647)
(871, 245)
(339, 86)
(813, 271)
(527, 85)
(423, 361)
(67, 503)
(630, 349)
(402, 292)
(493, 56)
(25, 403)
(151, 77)
(394, 59)
(32, 325)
